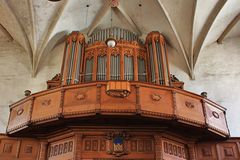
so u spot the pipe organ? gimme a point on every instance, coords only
(116, 103)
(130, 60)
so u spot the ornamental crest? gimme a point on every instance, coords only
(117, 143)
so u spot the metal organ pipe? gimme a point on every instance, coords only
(158, 58)
(152, 59)
(73, 58)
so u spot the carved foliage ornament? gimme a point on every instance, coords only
(156, 97)
(46, 102)
(80, 96)
(189, 104)
(102, 51)
(118, 93)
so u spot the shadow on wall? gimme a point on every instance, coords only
(52, 43)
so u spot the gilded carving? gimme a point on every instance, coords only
(156, 97)
(46, 102)
(189, 104)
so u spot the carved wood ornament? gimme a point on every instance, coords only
(117, 143)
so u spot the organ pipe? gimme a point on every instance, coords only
(130, 60)
(158, 58)
(73, 59)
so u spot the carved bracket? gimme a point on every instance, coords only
(118, 89)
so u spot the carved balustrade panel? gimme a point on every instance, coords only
(118, 97)
(80, 101)
(215, 117)
(20, 115)
(189, 108)
(156, 102)
(46, 106)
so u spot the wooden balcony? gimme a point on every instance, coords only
(124, 99)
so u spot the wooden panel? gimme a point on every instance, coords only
(80, 100)
(8, 149)
(215, 118)
(94, 147)
(206, 152)
(228, 151)
(46, 106)
(29, 150)
(156, 101)
(19, 115)
(63, 149)
(173, 150)
(115, 104)
(18, 148)
(189, 109)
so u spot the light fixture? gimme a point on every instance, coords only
(111, 41)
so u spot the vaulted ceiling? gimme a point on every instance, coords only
(188, 25)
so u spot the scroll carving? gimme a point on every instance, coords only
(189, 104)
(89, 54)
(120, 94)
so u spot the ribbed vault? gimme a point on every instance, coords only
(188, 25)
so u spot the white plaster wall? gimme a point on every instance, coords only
(15, 76)
(217, 72)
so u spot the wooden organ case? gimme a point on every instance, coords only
(116, 103)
